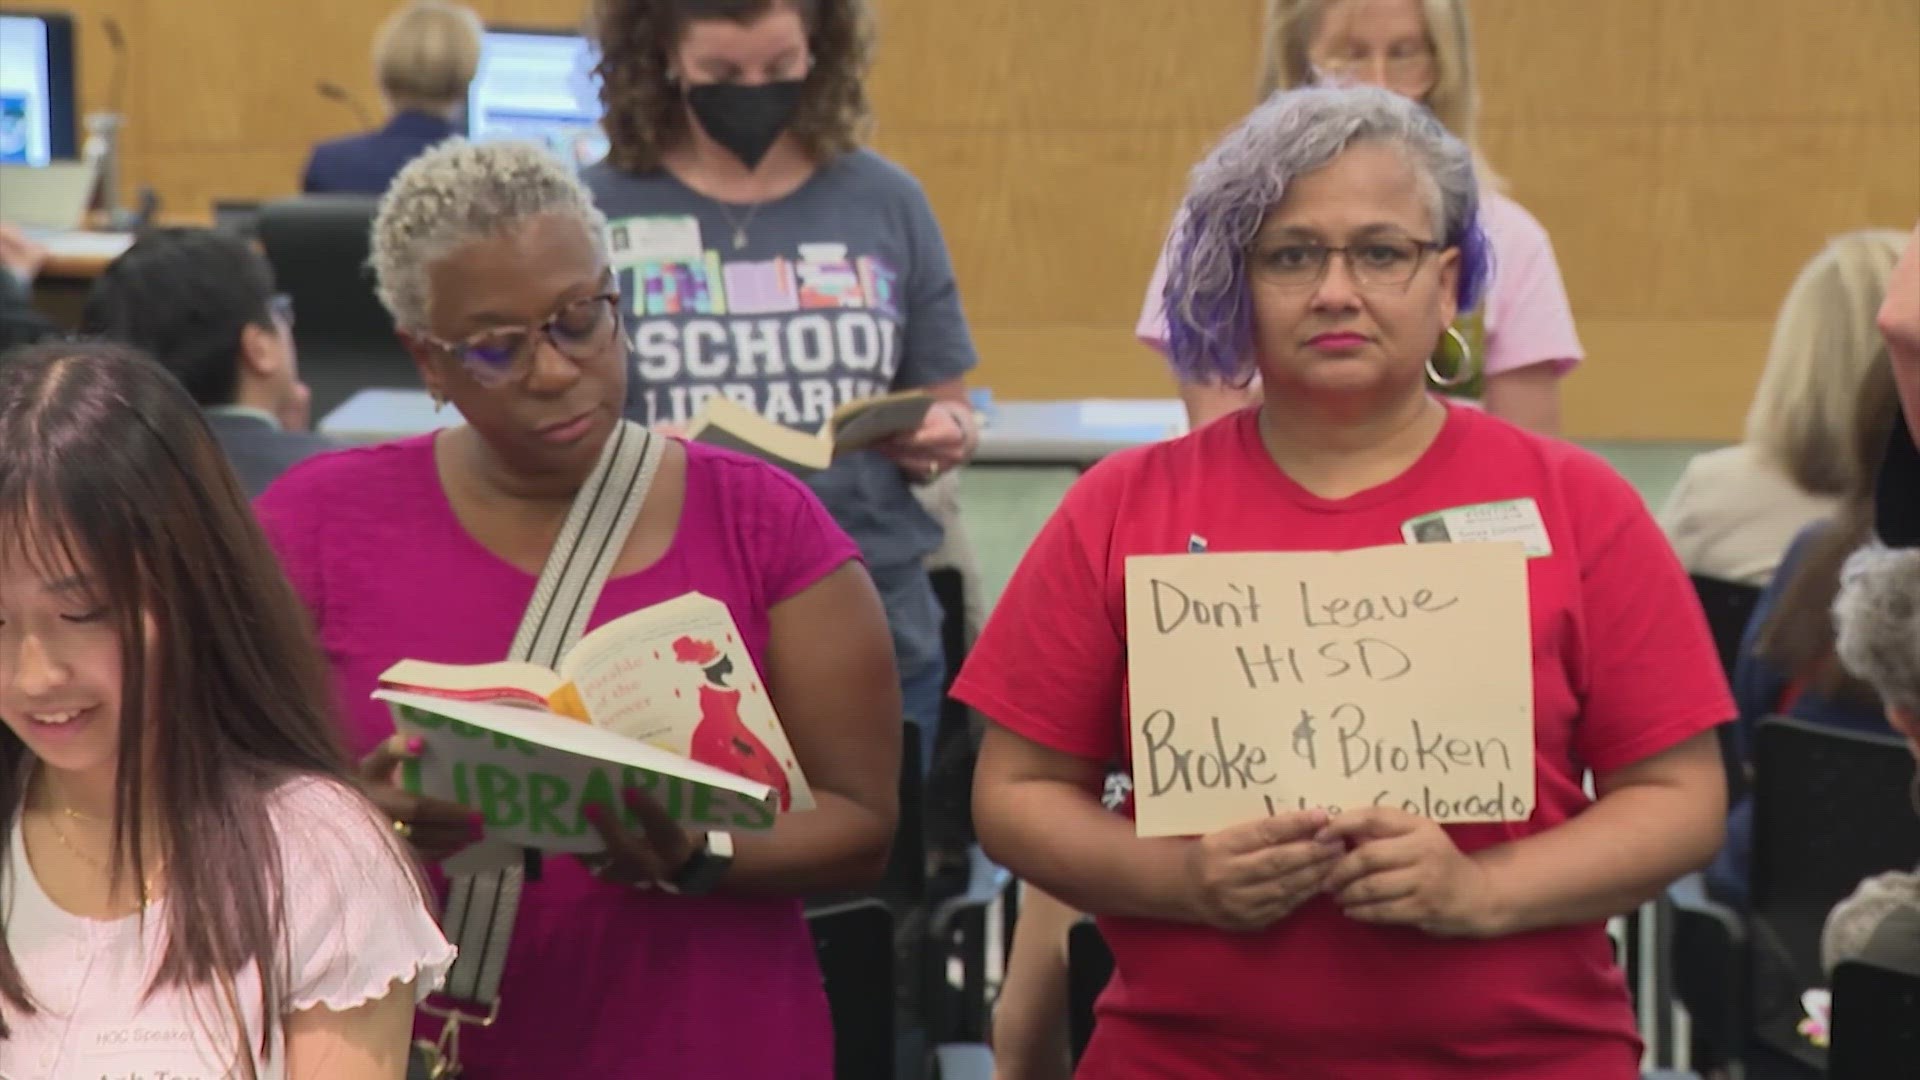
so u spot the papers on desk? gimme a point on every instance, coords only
(1167, 417)
(78, 244)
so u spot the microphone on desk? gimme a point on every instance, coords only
(103, 128)
(117, 85)
(333, 91)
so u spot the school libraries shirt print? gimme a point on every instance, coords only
(841, 290)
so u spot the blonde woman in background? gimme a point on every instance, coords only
(1524, 341)
(425, 55)
(1735, 510)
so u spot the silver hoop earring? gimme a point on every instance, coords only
(1463, 373)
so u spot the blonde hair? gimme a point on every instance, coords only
(426, 53)
(1825, 345)
(1454, 99)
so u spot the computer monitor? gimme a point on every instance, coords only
(36, 87)
(538, 85)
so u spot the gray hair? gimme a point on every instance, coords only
(1876, 621)
(1293, 133)
(457, 193)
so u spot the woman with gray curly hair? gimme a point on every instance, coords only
(1331, 238)
(1877, 619)
(651, 959)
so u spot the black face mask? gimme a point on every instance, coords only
(745, 119)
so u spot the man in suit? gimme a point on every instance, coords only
(1897, 499)
(203, 304)
(425, 56)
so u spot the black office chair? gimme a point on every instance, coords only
(1729, 607)
(1830, 809)
(318, 246)
(1089, 966)
(854, 943)
(1875, 1023)
(241, 217)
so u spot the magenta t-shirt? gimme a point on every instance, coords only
(601, 980)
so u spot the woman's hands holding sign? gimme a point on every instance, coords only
(1405, 870)
(1380, 864)
(1250, 876)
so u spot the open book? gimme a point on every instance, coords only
(666, 699)
(856, 425)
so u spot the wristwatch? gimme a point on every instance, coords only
(705, 868)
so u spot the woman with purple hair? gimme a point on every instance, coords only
(1328, 243)
(1522, 332)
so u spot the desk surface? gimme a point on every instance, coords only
(81, 254)
(1068, 434)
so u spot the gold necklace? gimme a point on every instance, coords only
(146, 886)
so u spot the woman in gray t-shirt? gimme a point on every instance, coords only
(767, 257)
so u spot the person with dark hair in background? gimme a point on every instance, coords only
(194, 884)
(1897, 503)
(20, 259)
(425, 56)
(202, 303)
(776, 261)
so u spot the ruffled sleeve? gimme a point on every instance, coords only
(357, 920)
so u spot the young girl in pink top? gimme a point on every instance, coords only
(1524, 340)
(192, 886)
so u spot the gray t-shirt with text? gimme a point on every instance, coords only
(841, 290)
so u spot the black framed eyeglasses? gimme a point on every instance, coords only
(1376, 262)
(578, 329)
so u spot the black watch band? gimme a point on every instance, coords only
(705, 868)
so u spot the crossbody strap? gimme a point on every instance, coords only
(481, 907)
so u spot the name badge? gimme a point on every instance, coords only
(661, 239)
(1510, 520)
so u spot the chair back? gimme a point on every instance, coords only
(318, 246)
(1830, 808)
(906, 873)
(1875, 1023)
(854, 944)
(1089, 967)
(1729, 606)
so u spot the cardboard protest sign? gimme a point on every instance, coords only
(1265, 682)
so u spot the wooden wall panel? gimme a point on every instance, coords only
(1566, 59)
(1686, 155)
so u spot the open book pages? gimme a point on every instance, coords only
(856, 425)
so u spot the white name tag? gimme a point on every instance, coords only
(664, 239)
(1511, 520)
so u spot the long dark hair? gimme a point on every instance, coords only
(1798, 638)
(646, 114)
(107, 465)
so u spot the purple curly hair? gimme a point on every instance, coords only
(1295, 132)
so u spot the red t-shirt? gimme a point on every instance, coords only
(1623, 668)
